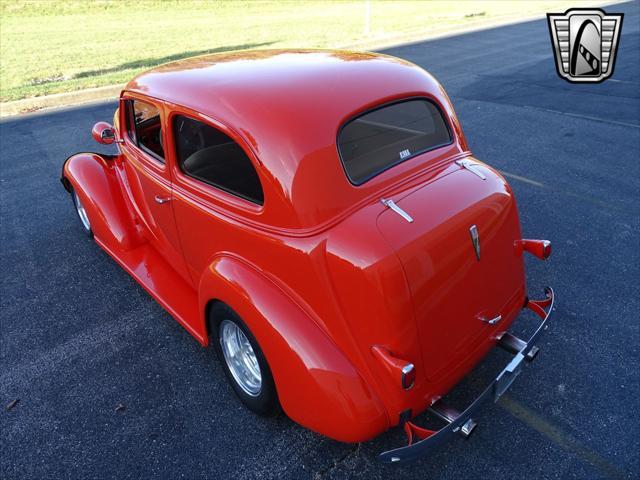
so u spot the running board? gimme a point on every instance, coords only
(162, 282)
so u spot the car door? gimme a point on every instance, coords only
(149, 177)
(216, 186)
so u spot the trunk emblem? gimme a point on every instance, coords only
(475, 239)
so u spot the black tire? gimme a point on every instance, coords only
(266, 401)
(78, 207)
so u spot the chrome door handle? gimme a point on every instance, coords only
(162, 200)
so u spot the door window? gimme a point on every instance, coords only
(144, 127)
(210, 156)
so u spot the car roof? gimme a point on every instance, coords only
(288, 106)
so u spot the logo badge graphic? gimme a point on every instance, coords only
(585, 42)
(475, 239)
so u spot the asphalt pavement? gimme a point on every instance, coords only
(109, 386)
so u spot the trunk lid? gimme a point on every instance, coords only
(451, 288)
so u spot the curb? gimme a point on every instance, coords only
(28, 105)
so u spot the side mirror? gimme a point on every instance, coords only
(103, 133)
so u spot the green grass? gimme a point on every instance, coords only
(58, 46)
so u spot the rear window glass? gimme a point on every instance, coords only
(386, 136)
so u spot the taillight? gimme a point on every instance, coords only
(403, 371)
(539, 248)
(408, 376)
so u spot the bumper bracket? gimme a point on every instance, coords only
(421, 440)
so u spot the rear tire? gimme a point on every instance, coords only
(243, 361)
(82, 214)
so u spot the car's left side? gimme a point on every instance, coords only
(194, 237)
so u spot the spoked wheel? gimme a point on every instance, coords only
(243, 361)
(82, 213)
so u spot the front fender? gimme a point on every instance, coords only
(93, 177)
(317, 386)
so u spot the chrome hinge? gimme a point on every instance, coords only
(392, 205)
(472, 167)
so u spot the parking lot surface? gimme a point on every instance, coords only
(79, 337)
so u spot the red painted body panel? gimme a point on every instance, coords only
(440, 263)
(97, 183)
(323, 272)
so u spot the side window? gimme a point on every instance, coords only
(144, 127)
(207, 154)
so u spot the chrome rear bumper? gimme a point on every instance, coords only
(421, 440)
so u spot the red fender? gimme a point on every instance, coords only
(317, 386)
(94, 179)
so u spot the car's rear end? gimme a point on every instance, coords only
(449, 237)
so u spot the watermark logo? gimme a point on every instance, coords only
(585, 42)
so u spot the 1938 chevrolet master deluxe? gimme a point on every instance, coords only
(318, 218)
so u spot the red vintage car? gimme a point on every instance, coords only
(318, 218)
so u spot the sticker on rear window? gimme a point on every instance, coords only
(404, 154)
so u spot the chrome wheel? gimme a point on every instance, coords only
(82, 213)
(240, 358)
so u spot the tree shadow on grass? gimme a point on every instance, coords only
(153, 62)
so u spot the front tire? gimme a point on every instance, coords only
(82, 214)
(243, 361)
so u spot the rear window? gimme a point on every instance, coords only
(379, 139)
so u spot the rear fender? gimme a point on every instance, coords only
(93, 177)
(316, 384)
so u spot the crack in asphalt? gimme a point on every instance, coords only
(322, 473)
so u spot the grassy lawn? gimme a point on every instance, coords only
(51, 46)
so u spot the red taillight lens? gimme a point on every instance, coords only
(539, 248)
